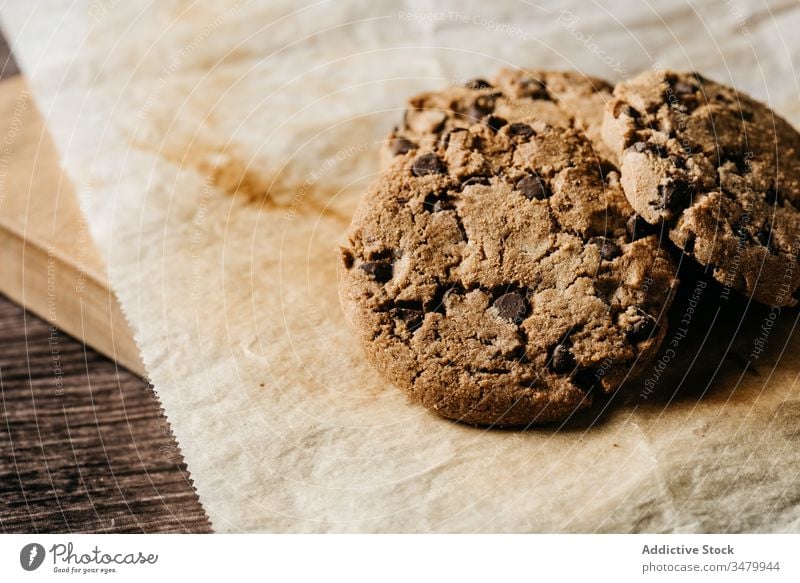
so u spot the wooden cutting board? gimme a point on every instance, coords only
(48, 262)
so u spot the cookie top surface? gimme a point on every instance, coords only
(720, 169)
(562, 99)
(491, 275)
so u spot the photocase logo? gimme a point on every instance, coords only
(31, 556)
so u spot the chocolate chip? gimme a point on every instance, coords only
(377, 254)
(747, 115)
(627, 110)
(562, 360)
(511, 306)
(428, 164)
(638, 228)
(477, 84)
(586, 379)
(495, 122)
(347, 258)
(686, 97)
(642, 147)
(481, 107)
(678, 162)
(411, 318)
(532, 187)
(675, 195)
(380, 271)
(429, 202)
(684, 88)
(401, 146)
(608, 249)
(521, 130)
(773, 196)
(533, 88)
(605, 287)
(641, 329)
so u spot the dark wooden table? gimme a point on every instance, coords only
(88, 451)
(84, 448)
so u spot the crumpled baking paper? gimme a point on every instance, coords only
(219, 150)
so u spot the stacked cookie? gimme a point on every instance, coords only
(514, 259)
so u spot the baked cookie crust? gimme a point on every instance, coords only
(720, 170)
(495, 272)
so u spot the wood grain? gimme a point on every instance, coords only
(83, 444)
(48, 262)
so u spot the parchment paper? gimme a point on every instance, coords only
(219, 150)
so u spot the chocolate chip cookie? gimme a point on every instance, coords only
(558, 98)
(720, 170)
(497, 273)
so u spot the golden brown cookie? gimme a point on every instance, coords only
(558, 98)
(720, 170)
(489, 272)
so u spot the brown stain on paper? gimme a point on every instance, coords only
(235, 175)
(236, 178)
